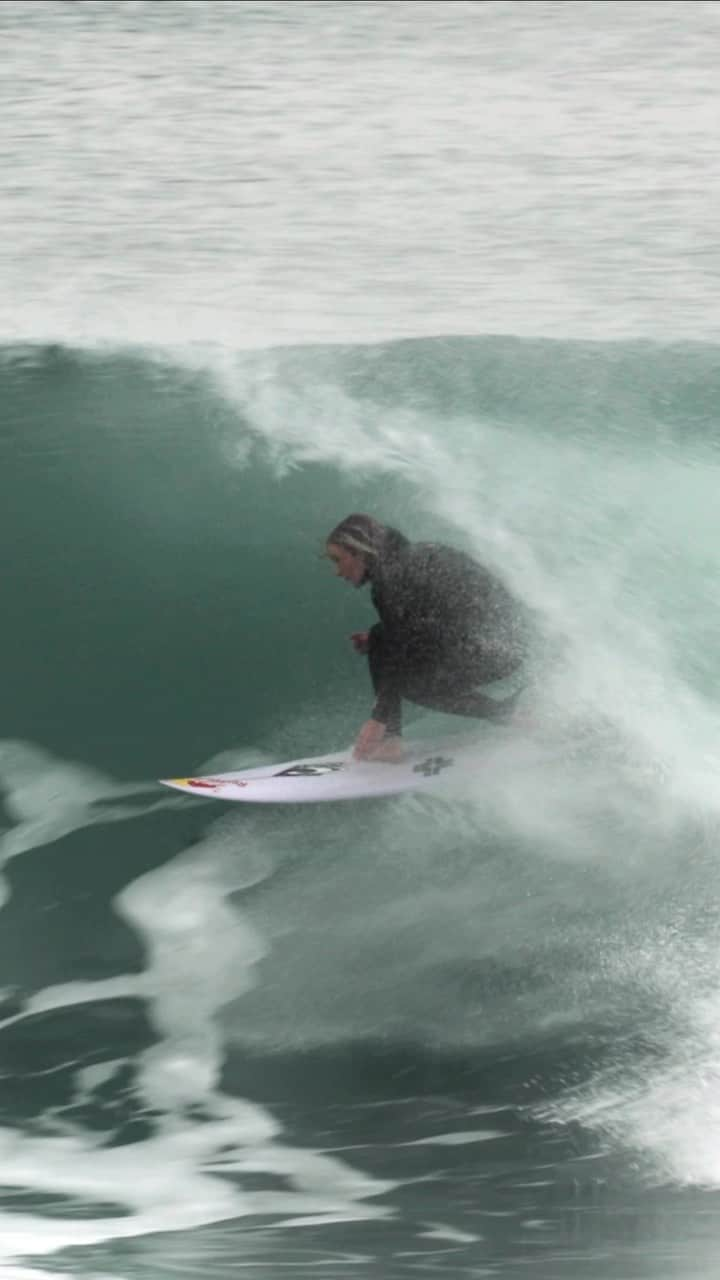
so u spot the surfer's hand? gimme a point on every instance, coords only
(369, 737)
(360, 641)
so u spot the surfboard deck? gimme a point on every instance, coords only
(336, 776)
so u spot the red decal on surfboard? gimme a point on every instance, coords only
(211, 784)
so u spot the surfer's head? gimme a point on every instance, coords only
(354, 545)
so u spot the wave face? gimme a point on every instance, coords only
(181, 979)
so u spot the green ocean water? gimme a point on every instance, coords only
(263, 265)
(529, 964)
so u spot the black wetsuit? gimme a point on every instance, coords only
(446, 626)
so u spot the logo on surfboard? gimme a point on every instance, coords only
(431, 767)
(310, 770)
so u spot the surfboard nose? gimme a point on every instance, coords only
(196, 785)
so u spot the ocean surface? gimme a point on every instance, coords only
(263, 264)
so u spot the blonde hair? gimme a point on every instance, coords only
(360, 533)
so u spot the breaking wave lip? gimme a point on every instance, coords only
(615, 385)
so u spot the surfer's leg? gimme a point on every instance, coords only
(474, 703)
(456, 693)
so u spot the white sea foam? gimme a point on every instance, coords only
(201, 953)
(514, 169)
(47, 798)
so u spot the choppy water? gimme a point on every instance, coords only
(262, 265)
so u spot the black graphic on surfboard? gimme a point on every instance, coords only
(310, 770)
(432, 766)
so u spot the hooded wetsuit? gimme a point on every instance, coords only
(446, 626)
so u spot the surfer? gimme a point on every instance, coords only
(446, 626)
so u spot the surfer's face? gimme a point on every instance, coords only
(349, 565)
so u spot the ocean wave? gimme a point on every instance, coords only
(169, 605)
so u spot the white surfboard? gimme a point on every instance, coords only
(337, 776)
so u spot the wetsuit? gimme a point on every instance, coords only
(446, 626)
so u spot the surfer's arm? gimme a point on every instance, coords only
(407, 639)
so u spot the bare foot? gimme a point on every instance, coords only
(389, 751)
